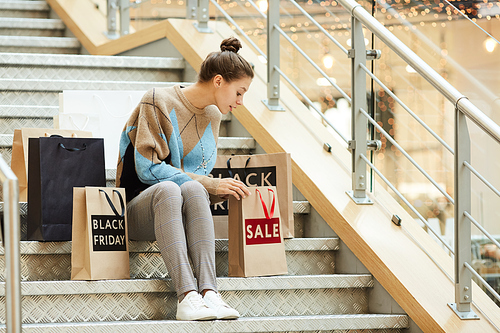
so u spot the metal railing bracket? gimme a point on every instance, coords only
(359, 201)
(469, 315)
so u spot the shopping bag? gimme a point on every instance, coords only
(256, 246)
(55, 166)
(19, 160)
(256, 170)
(103, 112)
(99, 247)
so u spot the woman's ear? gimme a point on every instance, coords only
(217, 80)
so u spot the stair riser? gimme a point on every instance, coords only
(150, 265)
(18, 49)
(8, 125)
(162, 305)
(24, 13)
(91, 74)
(32, 32)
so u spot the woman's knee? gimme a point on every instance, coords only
(164, 191)
(194, 188)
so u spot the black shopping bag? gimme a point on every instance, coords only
(55, 166)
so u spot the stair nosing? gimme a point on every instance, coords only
(24, 5)
(31, 23)
(40, 42)
(243, 325)
(47, 85)
(132, 286)
(221, 245)
(72, 60)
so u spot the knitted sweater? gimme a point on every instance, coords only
(167, 138)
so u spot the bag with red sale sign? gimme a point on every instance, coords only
(256, 246)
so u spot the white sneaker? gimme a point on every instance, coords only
(193, 307)
(215, 302)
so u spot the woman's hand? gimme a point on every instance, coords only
(230, 186)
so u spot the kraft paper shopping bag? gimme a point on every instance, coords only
(99, 237)
(257, 170)
(256, 246)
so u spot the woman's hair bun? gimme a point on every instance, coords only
(231, 44)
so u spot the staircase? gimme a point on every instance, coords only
(38, 63)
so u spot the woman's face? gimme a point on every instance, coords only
(228, 95)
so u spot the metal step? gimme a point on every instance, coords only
(327, 323)
(14, 26)
(225, 145)
(51, 261)
(58, 85)
(32, 9)
(35, 44)
(91, 68)
(117, 300)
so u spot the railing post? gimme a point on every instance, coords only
(124, 17)
(191, 9)
(359, 123)
(11, 241)
(203, 16)
(273, 57)
(463, 277)
(111, 11)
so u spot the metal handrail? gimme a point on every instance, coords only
(12, 234)
(427, 72)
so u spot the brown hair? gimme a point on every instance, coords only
(227, 62)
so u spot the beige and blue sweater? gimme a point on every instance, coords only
(168, 139)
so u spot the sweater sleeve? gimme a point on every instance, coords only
(151, 149)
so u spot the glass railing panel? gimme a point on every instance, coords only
(144, 13)
(320, 49)
(459, 39)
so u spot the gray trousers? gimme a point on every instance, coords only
(180, 220)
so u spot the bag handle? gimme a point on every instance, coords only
(67, 148)
(73, 149)
(269, 215)
(228, 163)
(111, 203)
(73, 135)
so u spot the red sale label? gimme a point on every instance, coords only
(262, 231)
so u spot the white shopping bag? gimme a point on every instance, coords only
(104, 113)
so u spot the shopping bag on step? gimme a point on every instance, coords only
(256, 170)
(256, 246)
(99, 247)
(19, 160)
(55, 166)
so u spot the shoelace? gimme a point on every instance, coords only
(219, 301)
(198, 302)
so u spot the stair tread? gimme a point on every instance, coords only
(221, 245)
(24, 5)
(223, 143)
(37, 41)
(245, 324)
(284, 282)
(31, 23)
(93, 61)
(55, 85)
(32, 111)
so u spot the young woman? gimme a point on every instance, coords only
(167, 150)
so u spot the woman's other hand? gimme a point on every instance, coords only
(230, 186)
